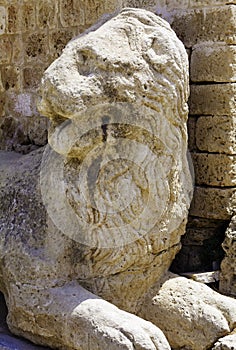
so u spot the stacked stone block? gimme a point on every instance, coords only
(228, 265)
(208, 30)
(34, 32)
(32, 35)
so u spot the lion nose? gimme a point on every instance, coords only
(66, 93)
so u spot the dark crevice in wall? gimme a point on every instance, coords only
(201, 246)
(210, 83)
(3, 314)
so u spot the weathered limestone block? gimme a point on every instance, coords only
(213, 203)
(203, 277)
(213, 99)
(204, 313)
(17, 50)
(14, 19)
(94, 9)
(5, 50)
(71, 13)
(36, 47)
(146, 4)
(28, 16)
(32, 76)
(22, 129)
(7, 340)
(101, 213)
(47, 12)
(205, 3)
(1, 84)
(113, 5)
(11, 78)
(112, 73)
(177, 4)
(58, 40)
(2, 19)
(43, 304)
(203, 25)
(2, 104)
(21, 105)
(213, 63)
(192, 133)
(226, 343)
(214, 169)
(228, 265)
(216, 134)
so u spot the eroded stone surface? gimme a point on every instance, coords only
(213, 203)
(119, 168)
(214, 169)
(220, 99)
(226, 343)
(228, 265)
(117, 102)
(216, 134)
(202, 315)
(195, 26)
(213, 63)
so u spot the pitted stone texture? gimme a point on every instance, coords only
(72, 13)
(226, 343)
(204, 3)
(213, 63)
(202, 315)
(47, 12)
(14, 18)
(213, 203)
(6, 50)
(177, 4)
(228, 265)
(89, 74)
(96, 94)
(216, 134)
(38, 309)
(22, 129)
(2, 19)
(192, 134)
(213, 99)
(137, 84)
(214, 169)
(112, 68)
(113, 5)
(146, 4)
(202, 25)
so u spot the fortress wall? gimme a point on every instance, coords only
(34, 32)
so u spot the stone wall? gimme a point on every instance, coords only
(228, 265)
(33, 33)
(208, 29)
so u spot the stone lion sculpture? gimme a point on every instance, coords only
(91, 224)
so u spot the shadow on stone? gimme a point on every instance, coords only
(7, 340)
(3, 315)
